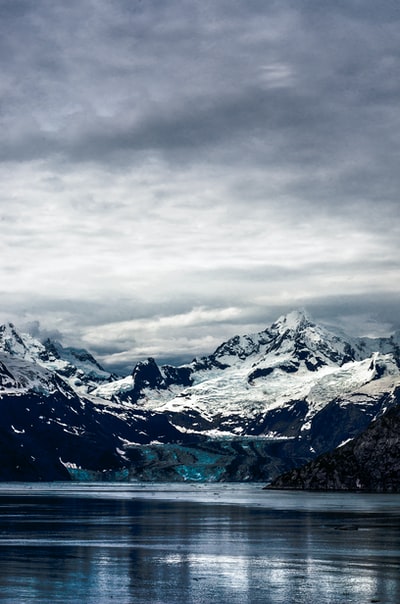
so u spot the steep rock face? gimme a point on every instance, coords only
(146, 374)
(179, 376)
(370, 462)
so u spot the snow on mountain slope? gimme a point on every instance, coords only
(253, 375)
(76, 366)
(19, 376)
(231, 397)
(293, 338)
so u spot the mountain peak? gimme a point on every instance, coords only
(293, 320)
(8, 330)
(17, 344)
(76, 366)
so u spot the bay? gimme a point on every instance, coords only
(196, 543)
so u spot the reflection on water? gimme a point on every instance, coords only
(190, 544)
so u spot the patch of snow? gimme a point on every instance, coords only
(14, 429)
(344, 442)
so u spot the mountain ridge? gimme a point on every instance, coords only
(259, 405)
(293, 359)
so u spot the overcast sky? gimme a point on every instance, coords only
(175, 172)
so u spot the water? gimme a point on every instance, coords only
(196, 544)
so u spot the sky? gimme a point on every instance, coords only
(175, 173)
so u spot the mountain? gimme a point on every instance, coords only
(49, 431)
(370, 462)
(274, 384)
(77, 366)
(259, 405)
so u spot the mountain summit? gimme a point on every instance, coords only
(77, 366)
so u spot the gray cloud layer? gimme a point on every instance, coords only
(184, 171)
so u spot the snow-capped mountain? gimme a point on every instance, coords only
(76, 366)
(251, 381)
(259, 405)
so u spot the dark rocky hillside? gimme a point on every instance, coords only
(370, 462)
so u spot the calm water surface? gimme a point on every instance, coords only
(187, 544)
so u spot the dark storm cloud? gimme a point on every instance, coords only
(191, 78)
(101, 82)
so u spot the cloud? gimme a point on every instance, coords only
(34, 329)
(158, 159)
(168, 337)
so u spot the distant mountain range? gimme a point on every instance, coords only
(258, 406)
